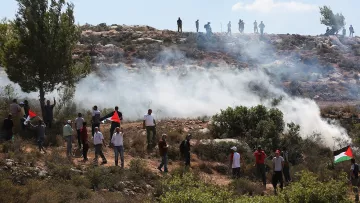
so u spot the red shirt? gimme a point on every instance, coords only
(84, 135)
(260, 156)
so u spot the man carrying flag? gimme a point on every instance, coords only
(115, 117)
(343, 154)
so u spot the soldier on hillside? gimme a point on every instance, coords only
(197, 25)
(208, 29)
(262, 26)
(179, 24)
(256, 27)
(351, 29)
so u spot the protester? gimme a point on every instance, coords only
(351, 30)
(15, 111)
(49, 115)
(114, 124)
(79, 121)
(95, 120)
(343, 32)
(8, 126)
(286, 169)
(197, 25)
(84, 140)
(40, 130)
(229, 28)
(278, 165)
(235, 162)
(67, 133)
(354, 178)
(179, 24)
(256, 27)
(185, 150)
(208, 29)
(260, 164)
(117, 141)
(261, 26)
(163, 149)
(98, 142)
(26, 108)
(150, 125)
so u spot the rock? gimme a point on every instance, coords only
(76, 170)
(42, 173)
(204, 131)
(9, 162)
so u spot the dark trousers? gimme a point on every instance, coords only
(40, 142)
(236, 172)
(98, 151)
(277, 177)
(286, 172)
(8, 135)
(114, 125)
(187, 158)
(48, 123)
(354, 183)
(197, 28)
(150, 140)
(179, 28)
(79, 137)
(93, 126)
(261, 172)
(164, 162)
(85, 150)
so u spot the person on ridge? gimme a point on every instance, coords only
(84, 141)
(208, 29)
(354, 178)
(114, 124)
(260, 164)
(344, 32)
(351, 30)
(185, 150)
(179, 24)
(8, 126)
(49, 113)
(256, 27)
(278, 165)
(79, 121)
(98, 143)
(95, 120)
(261, 26)
(229, 28)
(197, 25)
(117, 140)
(235, 162)
(67, 133)
(150, 125)
(163, 148)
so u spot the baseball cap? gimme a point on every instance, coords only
(233, 148)
(277, 151)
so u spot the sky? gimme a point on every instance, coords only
(279, 16)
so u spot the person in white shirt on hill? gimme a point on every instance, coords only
(235, 162)
(150, 125)
(98, 142)
(117, 141)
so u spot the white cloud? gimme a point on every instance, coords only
(266, 6)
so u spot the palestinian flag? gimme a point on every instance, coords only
(115, 117)
(343, 154)
(30, 116)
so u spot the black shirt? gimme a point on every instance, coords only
(8, 124)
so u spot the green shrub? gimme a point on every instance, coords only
(244, 186)
(206, 168)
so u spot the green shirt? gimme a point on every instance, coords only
(67, 130)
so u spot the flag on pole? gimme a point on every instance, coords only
(343, 154)
(115, 117)
(30, 116)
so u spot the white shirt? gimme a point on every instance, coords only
(149, 120)
(236, 160)
(98, 138)
(278, 163)
(79, 123)
(117, 139)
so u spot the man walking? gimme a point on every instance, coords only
(67, 133)
(260, 164)
(278, 165)
(150, 125)
(185, 150)
(79, 122)
(40, 130)
(235, 162)
(163, 149)
(179, 24)
(118, 142)
(49, 115)
(84, 140)
(114, 124)
(354, 178)
(286, 169)
(197, 25)
(229, 28)
(98, 142)
(95, 120)
(256, 27)
(8, 126)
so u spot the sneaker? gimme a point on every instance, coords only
(159, 169)
(104, 162)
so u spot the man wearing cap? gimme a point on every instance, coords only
(163, 148)
(235, 162)
(260, 164)
(67, 133)
(278, 165)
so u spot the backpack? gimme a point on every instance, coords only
(182, 147)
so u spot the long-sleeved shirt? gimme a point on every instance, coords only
(84, 135)
(67, 130)
(110, 115)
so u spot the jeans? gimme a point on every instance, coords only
(119, 150)
(277, 177)
(93, 128)
(150, 140)
(68, 145)
(114, 125)
(236, 172)
(354, 183)
(98, 151)
(79, 137)
(286, 172)
(187, 158)
(261, 172)
(40, 142)
(164, 162)
(85, 150)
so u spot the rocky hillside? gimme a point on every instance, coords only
(318, 67)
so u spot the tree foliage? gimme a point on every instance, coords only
(328, 18)
(38, 53)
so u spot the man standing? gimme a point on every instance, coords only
(235, 162)
(40, 130)
(118, 142)
(15, 111)
(261, 26)
(8, 126)
(260, 164)
(163, 148)
(114, 124)
(278, 165)
(354, 177)
(351, 29)
(179, 24)
(98, 142)
(229, 28)
(95, 120)
(49, 115)
(85, 142)
(67, 133)
(185, 150)
(256, 27)
(286, 169)
(150, 125)
(79, 121)
(197, 25)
